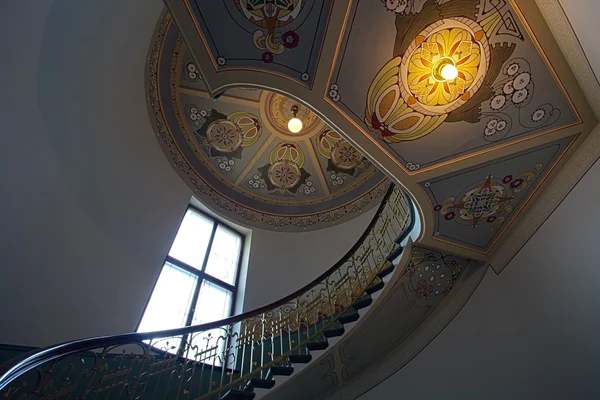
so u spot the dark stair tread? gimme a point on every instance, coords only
(395, 253)
(350, 315)
(362, 302)
(312, 346)
(261, 383)
(278, 370)
(376, 287)
(386, 271)
(234, 394)
(333, 332)
(300, 358)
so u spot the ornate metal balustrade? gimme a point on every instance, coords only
(207, 361)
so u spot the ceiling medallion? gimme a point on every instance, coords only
(457, 46)
(441, 69)
(276, 110)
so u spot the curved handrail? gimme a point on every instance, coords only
(11, 370)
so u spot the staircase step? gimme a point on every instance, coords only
(281, 371)
(238, 395)
(395, 253)
(261, 383)
(362, 302)
(300, 358)
(350, 315)
(333, 332)
(312, 346)
(386, 271)
(376, 287)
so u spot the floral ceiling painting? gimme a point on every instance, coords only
(473, 207)
(439, 80)
(280, 36)
(237, 154)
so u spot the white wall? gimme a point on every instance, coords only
(583, 15)
(89, 203)
(529, 333)
(281, 263)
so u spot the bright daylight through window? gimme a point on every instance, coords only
(198, 280)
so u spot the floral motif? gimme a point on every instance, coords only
(191, 72)
(269, 15)
(195, 115)
(431, 274)
(538, 115)
(333, 92)
(489, 201)
(412, 166)
(290, 39)
(338, 180)
(225, 164)
(409, 98)
(455, 46)
(343, 159)
(308, 188)
(494, 126)
(196, 182)
(397, 6)
(345, 156)
(224, 136)
(284, 174)
(267, 57)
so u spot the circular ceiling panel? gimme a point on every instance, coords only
(240, 159)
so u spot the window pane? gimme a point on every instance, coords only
(214, 303)
(224, 255)
(192, 239)
(169, 305)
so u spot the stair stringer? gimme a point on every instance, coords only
(325, 377)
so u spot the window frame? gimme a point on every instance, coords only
(201, 274)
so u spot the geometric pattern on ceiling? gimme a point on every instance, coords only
(238, 156)
(473, 207)
(504, 92)
(283, 36)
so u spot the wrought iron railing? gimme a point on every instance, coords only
(206, 361)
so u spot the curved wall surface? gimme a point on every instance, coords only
(91, 205)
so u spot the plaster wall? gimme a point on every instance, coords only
(528, 333)
(89, 203)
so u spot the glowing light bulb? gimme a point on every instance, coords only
(295, 125)
(449, 72)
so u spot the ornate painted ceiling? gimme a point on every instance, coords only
(474, 149)
(238, 155)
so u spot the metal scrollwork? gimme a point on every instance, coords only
(206, 363)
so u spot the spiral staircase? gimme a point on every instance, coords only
(226, 359)
(287, 349)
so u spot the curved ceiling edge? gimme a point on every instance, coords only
(521, 96)
(231, 200)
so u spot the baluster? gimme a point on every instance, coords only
(281, 330)
(203, 365)
(332, 310)
(244, 339)
(289, 328)
(234, 352)
(212, 367)
(262, 344)
(272, 338)
(224, 354)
